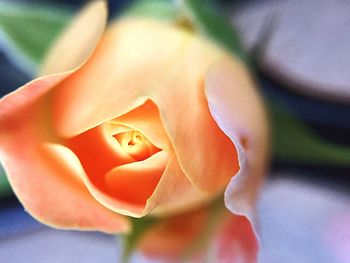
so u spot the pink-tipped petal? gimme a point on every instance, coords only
(236, 241)
(238, 110)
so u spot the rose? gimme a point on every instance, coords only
(147, 119)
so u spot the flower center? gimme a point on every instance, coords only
(135, 139)
(136, 144)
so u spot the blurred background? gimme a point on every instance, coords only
(300, 52)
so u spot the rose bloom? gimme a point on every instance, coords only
(144, 118)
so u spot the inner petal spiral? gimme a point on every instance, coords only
(122, 165)
(136, 144)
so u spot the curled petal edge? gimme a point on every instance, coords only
(79, 40)
(236, 107)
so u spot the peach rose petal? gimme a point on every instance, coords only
(46, 183)
(116, 79)
(239, 112)
(48, 180)
(167, 193)
(135, 182)
(202, 149)
(133, 74)
(78, 41)
(175, 193)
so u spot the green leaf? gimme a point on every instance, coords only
(159, 9)
(139, 226)
(27, 30)
(294, 141)
(5, 188)
(213, 25)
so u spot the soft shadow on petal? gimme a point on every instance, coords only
(78, 41)
(168, 190)
(175, 193)
(135, 182)
(124, 191)
(238, 110)
(98, 153)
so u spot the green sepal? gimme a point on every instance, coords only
(138, 227)
(5, 188)
(294, 141)
(213, 24)
(27, 30)
(164, 10)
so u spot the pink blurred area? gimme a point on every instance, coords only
(337, 235)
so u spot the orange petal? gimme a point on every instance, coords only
(135, 182)
(128, 186)
(123, 74)
(238, 110)
(98, 153)
(78, 41)
(42, 175)
(166, 191)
